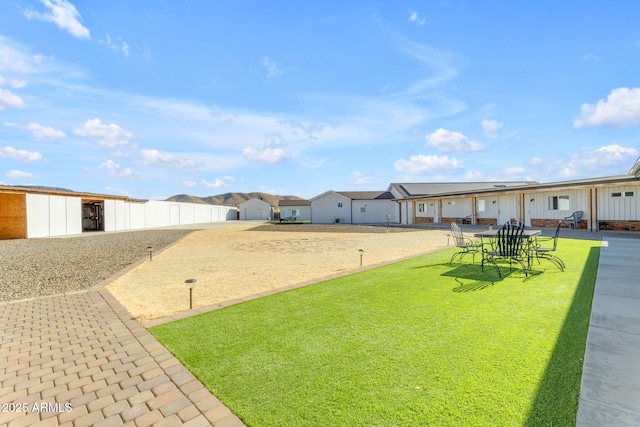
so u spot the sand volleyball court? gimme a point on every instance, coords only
(243, 259)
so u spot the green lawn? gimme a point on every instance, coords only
(420, 342)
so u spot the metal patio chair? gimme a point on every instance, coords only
(540, 251)
(466, 245)
(575, 217)
(509, 244)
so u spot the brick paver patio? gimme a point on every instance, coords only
(79, 360)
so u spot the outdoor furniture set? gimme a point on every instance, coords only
(513, 243)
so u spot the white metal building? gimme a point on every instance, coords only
(27, 212)
(354, 207)
(255, 209)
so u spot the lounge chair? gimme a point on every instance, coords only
(466, 245)
(544, 252)
(575, 217)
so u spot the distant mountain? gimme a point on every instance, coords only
(43, 187)
(231, 199)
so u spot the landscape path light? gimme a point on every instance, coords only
(189, 282)
(361, 252)
(150, 250)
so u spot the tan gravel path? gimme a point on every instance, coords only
(236, 261)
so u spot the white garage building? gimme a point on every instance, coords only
(27, 212)
(354, 207)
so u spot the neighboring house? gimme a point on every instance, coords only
(297, 208)
(255, 209)
(354, 207)
(27, 212)
(611, 202)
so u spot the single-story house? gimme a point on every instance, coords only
(610, 202)
(430, 212)
(27, 212)
(255, 209)
(297, 208)
(354, 207)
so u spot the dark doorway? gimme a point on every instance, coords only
(93, 215)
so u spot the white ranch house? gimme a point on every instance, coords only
(611, 203)
(354, 207)
(296, 208)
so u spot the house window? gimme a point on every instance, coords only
(339, 204)
(363, 209)
(479, 205)
(625, 194)
(558, 203)
(451, 203)
(421, 207)
(295, 212)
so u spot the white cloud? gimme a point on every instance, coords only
(271, 153)
(607, 156)
(621, 109)
(447, 141)
(110, 135)
(9, 99)
(114, 169)
(360, 178)
(16, 174)
(117, 45)
(490, 128)
(45, 133)
(421, 164)
(14, 83)
(440, 63)
(20, 155)
(475, 176)
(314, 164)
(415, 17)
(189, 183)
(598, 162)
(272, 68)
(63, 14)
(515, 170)
(225, 181)
(267, 155)
(41, 133)
(168, 160)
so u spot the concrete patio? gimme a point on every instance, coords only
(610, 388)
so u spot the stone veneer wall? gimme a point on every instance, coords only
(621, 225)
(457, 220)
(424, 220)
(487, 221)
(553, 223)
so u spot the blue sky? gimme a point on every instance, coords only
(155, 98)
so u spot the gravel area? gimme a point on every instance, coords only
(37, 267)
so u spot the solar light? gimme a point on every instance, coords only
(361, 252)
(190, 281)
(150, 249)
